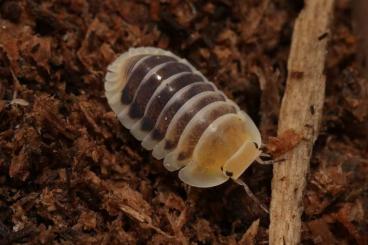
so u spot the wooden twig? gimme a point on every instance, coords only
(300, 111)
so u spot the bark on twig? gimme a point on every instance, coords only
(300, 111)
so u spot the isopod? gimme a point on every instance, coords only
(181, 117)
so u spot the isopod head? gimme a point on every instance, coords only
(184, 119)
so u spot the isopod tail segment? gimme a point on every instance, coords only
(188, 123)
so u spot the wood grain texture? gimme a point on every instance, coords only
(300, 111)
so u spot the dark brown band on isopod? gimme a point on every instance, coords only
(166, 116)
(138, 73)
(158, 103)
(198, 129)
(173, 139)
(129, 66)
(148, 87)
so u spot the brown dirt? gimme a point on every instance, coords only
(71, 174)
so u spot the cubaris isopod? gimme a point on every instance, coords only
(181, 116)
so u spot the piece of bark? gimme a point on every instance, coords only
(301, 111)
(249, 236)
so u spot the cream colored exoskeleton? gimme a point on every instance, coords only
(181, 116)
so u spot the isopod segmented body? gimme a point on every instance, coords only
(182, 117)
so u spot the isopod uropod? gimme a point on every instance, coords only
(182, 117)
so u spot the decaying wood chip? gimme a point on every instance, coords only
(18, 101)
(123, 198)
(277, 146)
(250, 234)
